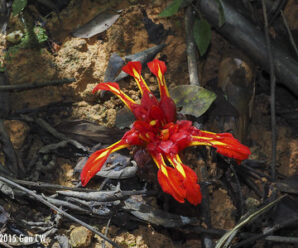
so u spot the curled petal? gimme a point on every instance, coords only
(180, 181)
(225, 144)
(133, 68)
(169, 179)
(97, 160)
(193, 192)
(114, 88)
(158, 68)
(172, 184)
(190, 180)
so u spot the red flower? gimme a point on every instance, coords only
(157, 130)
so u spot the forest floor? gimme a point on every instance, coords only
(85, 60)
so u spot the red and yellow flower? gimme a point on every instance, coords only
(163, 137)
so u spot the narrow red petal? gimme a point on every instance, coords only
(158, 68)
(115, 89)
(169, 179)
(156, 65)
(97, 160)
(131, 66)
(193, 192)
(225, 144)
(172, 184)
(190, 180)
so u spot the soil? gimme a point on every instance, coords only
(85, 60)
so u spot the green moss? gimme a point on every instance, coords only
(41, 34)
(33, 38)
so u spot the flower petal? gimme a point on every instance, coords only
(225, 144)
(168, 106)
(133, 68)
(172, 184)
(97, 160)
(190, 180)
(158, 68)
(169, 179)
(114, 88)
(193, 192)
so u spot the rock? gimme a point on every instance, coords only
(17, 131)
(56, 245)
(80, 237)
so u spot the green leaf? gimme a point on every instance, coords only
(171, 9)
(18, 6)
(221, 18)
(202, 35)
(194, 100)
(41, 34)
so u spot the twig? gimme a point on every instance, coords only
(222, 241)
(50, 186)
(205, 210)
(282, 239)
(190, 48)
(272, 90)
(199, 229)
(10, 155)
(101, 211)
(58, 210)
(103, 196)
(42, 123)
(5, 245)
(22, 87)
(293, 43)
(4, 97)
(268, 231)
(238, 189)
(103, 243)
(62, 203)
(252, 185)
(243, 33)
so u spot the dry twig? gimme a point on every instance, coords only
(272, 90)
(58, 210)
(22, 87)
(190, 48)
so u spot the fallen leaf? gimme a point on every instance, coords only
(194, 100)
(97, 25)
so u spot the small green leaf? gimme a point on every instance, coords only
(194, 100)
(171, 9)
(202, 35)
(41, 34)
(221, 18)
(18, 6)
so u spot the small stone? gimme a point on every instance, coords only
(80, 237)
(15, 36)
(17, 131)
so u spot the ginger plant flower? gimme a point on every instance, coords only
(157, 130)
